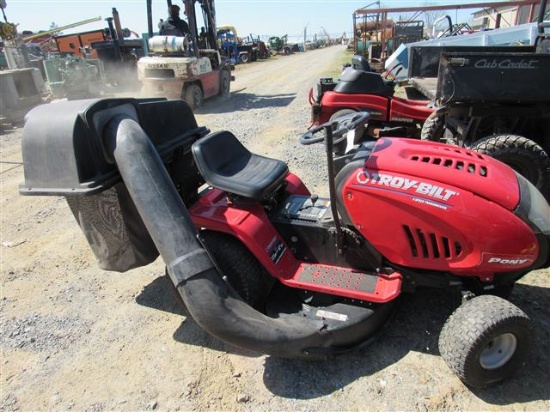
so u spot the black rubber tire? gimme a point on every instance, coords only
(244, 58)
(240, 268)
(225, 83)
(193, 96)
(521, 154)
(486, 340)
(341, 113)
(433, 128)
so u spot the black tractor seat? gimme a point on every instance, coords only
(226, 164)
(354, 81)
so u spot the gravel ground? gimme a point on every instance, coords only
(74, 337)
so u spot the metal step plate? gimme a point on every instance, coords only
(334, 280)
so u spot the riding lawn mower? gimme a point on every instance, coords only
(263, 264)
(360, 89)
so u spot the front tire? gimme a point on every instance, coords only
(225, 83)
(433, 128)
(194, 96)
(486, 340)
(521, 154)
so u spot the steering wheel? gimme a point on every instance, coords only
(339, 126)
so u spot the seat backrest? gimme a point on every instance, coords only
(358, 62)
(361, 82)
(227, 165)
(221, 153)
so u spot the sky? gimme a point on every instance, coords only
(258, 17)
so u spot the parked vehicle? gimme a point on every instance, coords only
(259, 46)
(497, 103)
(184, 67)
(280, 45)
(263, 264)
(361, 90)
(233, 48)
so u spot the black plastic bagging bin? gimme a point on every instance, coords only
(64, 154)
(493, 77)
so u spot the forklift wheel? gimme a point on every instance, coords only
(521, 154)
(486, 340)
(225, 83)
(240, 268)
(193, 96)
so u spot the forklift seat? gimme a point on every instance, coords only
(226, 164)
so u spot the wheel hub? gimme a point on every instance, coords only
(498, 351)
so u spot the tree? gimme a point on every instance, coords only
(430, 16)
(53, 26)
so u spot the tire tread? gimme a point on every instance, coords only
(473, 323)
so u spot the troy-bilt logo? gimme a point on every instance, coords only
(276, 249)
(505, 64)
(397, 182)
(509, 262)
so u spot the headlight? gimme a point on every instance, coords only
(533, 205)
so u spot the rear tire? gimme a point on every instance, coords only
(521, 154)
(194, 96)
(342, 113)
(244, 58)
(486, 340)
(239, 267)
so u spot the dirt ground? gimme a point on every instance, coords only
(74, 337)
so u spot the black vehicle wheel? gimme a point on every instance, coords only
(193, 96)
(521, 154)
(245, 58)
(341, 113)
(486, 340)
(433, 128)
(239, 267)
(225, 83)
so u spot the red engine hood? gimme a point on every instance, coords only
(452, 165)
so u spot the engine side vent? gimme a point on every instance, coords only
(426, 245)
(460, 165)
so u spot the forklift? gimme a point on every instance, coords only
(189, 67)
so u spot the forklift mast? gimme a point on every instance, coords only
(209, 18)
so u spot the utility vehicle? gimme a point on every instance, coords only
(190, 67)
(495, 102)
